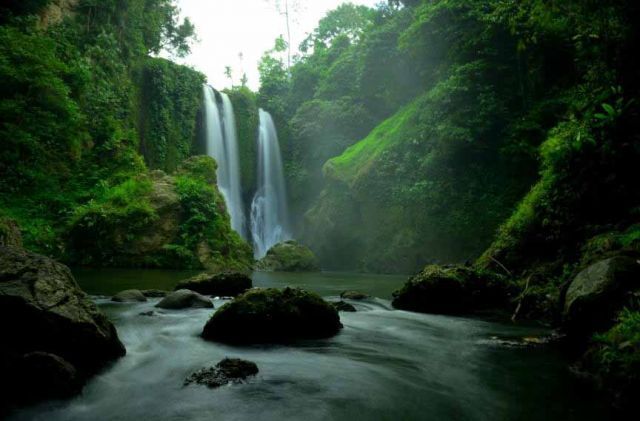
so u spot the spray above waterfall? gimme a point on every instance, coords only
(222, 145)
(269, 213)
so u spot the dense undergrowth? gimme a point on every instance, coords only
(86, 111)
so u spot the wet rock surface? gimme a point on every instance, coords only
(184, 298)
(229, 370)
(223, 284)
(273, 315)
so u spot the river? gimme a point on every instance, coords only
(384, 365)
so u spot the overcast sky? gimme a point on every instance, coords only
(227, 28)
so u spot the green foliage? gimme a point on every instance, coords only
(79, 99)
(245, 107)
(102, 229)
(205, 221)
(171, 96)
(619, 350)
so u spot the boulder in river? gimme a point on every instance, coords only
(289, 256)
(184, 298)
(222, 284)
(129, 296)
(598, 293)
(454, 290)
(154, 293)
(49, 326)
(353, 295)
(273, 315)
(229, 370)
(343, 306)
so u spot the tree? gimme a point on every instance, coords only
(286, 8)
(228, 72)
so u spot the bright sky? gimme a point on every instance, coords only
(227, 28)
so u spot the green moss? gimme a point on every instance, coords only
(273, 315)
(200, 167)
(417, 183)
(170, 98)
(618, 351)
(454, 290)
(101, 228)
(289, 256)
(245, 107)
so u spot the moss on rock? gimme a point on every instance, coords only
(222, 284)
(289, 256)
(273, 315)
(454, 290)
(156, 220)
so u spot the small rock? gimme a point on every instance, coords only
(343, 306)
(184, 298)
(147, 313)
(229, 370)
(354, 295)
(129, 296)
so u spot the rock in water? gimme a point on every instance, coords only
(129, 296)
(454, 290)
(43, 375)
(224, 284)
(597, 293)
(49, 327)
(343, 306)
(229, 370)
(289, 256)
(353, 295)
(154, 293)
(184, 298)
(273, 315)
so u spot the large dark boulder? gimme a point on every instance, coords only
(184, 298)
(49, 326)
(229, 370)
(223, 284)
(289, 256)
(273, 315)
(598, 293)
(454, 290)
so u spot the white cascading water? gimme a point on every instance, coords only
(222, 145)
(269, 213)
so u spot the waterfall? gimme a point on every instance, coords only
(222, 145)
(269, 214)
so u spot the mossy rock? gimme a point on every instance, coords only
(454, 290)
(158, 220)
(223, 284)
(289, 256)
(10, 234)
(598, 293)
(273, 316)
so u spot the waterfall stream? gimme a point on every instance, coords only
(269, 213)
(222, 145)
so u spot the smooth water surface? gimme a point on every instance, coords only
(384, 365)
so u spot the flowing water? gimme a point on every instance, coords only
(269, 213)
(384, 365)
(222, 145)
